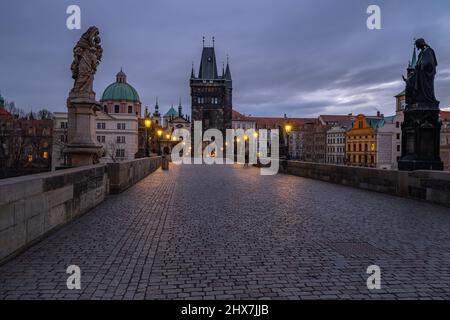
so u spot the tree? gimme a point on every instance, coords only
(44, 114)
(111, 150)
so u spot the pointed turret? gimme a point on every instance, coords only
(2, 102)
(156, 114)
(208, 66)
(192, 72)
(228, 73)
(180, 110)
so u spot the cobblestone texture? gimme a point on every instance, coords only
(225, 232)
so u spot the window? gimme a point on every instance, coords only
(101, 139)
(120, 139)
(30, 158)
(397, 124)
(130, 109)
(116, 108)
(398, 136)
(121, 126)
(63, 125)
(398, 148)
(45, 155)
(120, 153)
(101, 125)
(105, 108)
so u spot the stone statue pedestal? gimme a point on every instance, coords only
(421, 131)
(82, 147)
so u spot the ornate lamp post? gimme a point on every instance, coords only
(147, 123)
(159, 134)
(287, 129)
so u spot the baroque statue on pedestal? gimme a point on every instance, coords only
(87, 55)
(420, 78)
(421, 126)
(82, 147)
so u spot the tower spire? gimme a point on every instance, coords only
(192, 71)
(228, 71)
(180, 109)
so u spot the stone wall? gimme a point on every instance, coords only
(432, 186)
(31, 206)
(123, 175)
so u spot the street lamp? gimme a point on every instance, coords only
(147, 123)
(287, 129)
(159, 132)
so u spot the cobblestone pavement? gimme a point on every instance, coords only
(205, 232)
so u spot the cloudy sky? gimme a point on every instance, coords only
(299, 57)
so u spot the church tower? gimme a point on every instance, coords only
(211, 93)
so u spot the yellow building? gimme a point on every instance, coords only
(361, 142)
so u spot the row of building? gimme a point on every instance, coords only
(355, 140)
(25, 143)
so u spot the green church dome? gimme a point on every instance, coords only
(171, 113)
(120, 90)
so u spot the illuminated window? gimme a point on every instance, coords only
(45, 155)
(30, 157)
(372, 147)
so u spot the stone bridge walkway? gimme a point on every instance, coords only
(202, 232)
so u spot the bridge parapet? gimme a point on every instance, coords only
(432, 186)
(33, 206)
(124, 174)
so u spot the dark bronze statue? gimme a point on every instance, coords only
(420, 79)
(87, 55)
(421, 126)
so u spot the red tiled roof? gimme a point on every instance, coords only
(5, 114)
(336, 118)
(271, 122)
(237, 115)
(279, 121)
(445, 115)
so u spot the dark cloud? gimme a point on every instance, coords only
(302, 58)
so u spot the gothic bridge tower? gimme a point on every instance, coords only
(211, 93)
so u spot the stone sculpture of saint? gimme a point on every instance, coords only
(87, 55)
